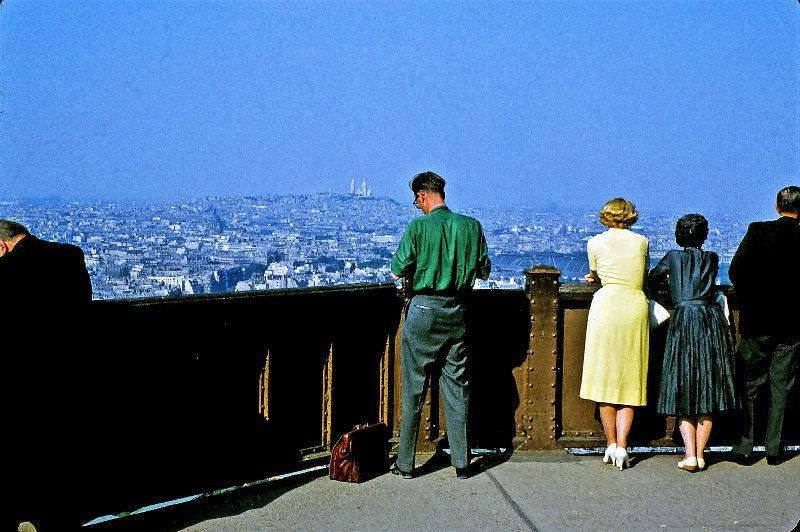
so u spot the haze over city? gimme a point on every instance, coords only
(682, 106)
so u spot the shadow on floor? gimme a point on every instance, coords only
(223, 505)
(479, 463)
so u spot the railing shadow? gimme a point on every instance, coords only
(221, 506)
(499, 347)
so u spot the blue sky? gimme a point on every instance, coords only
(688, 106)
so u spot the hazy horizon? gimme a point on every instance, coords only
(751, 213)
(681, 107)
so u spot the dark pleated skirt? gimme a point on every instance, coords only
(698, 372)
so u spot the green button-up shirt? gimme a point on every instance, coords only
(442, 252)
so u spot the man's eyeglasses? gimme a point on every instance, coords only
(416, 200)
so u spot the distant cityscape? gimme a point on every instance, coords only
(216, 245)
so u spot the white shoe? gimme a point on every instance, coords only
(688, 464)
(608, 457)
(701, 464)
(621, 459)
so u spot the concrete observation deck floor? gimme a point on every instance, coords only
(545, 491)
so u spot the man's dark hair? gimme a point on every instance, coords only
(691, 230)
(428, 182)
(9, 230)
(789, 200)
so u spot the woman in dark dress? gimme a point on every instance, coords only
(697, 378)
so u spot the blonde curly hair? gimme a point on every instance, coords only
(619, 213)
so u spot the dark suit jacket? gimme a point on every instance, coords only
(43, 305)
(764, 274)
(41, 273)
(43, 309)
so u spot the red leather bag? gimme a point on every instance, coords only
(361, 454)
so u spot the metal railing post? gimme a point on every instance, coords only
(537, 379)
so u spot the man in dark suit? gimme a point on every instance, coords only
(764, 272)
(44, 294)
(37, 271)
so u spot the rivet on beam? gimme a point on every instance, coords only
(530, 368)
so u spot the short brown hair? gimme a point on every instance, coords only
(619, 213)
(428, 182)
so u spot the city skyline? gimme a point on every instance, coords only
(219, 245)
(556, 106)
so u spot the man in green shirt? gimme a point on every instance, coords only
(440, 256)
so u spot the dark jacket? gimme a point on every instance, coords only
(43, 308)
(41, 273)
(764, 275)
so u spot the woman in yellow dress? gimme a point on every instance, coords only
(617, 332)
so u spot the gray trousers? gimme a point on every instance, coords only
(773, 364)
(434, 337)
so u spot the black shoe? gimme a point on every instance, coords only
(744, 459)
(463, 473)
(395, 470)
(775, 459)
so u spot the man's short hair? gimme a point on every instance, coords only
(9, 230)
(789, 200)
(691, 231)
(619, 213)
(428, 182)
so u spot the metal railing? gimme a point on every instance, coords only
(186, 395)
